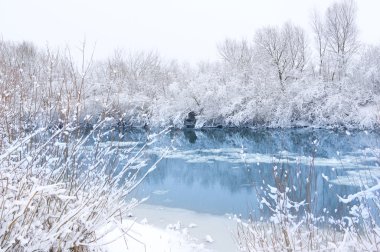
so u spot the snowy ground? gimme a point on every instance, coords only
(156, 228)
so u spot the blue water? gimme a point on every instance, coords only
(221, 171)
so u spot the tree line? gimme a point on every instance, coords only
(277, 79)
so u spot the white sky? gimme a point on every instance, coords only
(180, 29)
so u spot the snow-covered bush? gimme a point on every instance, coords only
(64, 190)
(45, 88)
(294, 225)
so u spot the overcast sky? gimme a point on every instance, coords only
(181, 29)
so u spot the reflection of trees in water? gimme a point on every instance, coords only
(205, 174)
(190, 135)
(305, 181)
(302, 184)
(299, 141)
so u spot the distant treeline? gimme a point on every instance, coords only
(280, 78)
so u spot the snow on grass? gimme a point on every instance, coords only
(295, 226)
(368, 193)
(147, 238)
(58, 197)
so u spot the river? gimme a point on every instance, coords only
(229, 171)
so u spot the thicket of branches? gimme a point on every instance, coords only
(65, 179)
(294, 225)
(279, 78)
(66, 189)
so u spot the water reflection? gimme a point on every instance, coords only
(190, 135)
(227, 171)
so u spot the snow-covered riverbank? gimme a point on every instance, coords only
(156, 228)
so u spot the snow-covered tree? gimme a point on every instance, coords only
(320, 40)
(238, 58)
(342, 34)
(236, 53)
(284, 48)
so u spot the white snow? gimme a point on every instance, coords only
(147, 238)
(192, 225)
(325, 177)
(209, 239)
(365, 193)
(172, 229)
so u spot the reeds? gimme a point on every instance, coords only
(294, 226)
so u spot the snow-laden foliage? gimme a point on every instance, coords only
(45, 88)
(295, 226)
(60, 189)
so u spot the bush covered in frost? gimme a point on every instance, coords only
(293, 225)
(63, 190)
(45, 88)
